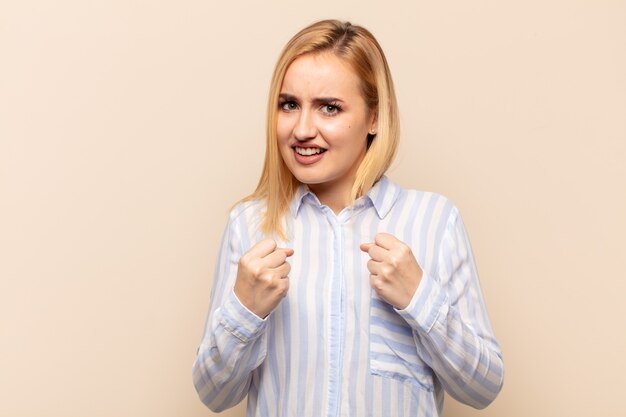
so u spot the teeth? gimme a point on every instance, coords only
(308, 151)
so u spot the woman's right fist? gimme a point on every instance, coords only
(262, 277)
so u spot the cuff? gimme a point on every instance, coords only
(239, 321)
(428, 304)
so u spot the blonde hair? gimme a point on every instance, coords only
(358, 47)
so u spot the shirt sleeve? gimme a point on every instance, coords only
(450, 323)
(234, 342)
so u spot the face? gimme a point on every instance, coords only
(323, 123)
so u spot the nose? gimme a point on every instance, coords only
(305, 128)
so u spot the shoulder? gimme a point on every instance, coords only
(433, 205)
(428, 214)
(246, 209)
(245, 218)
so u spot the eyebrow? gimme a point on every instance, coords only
(317, 100)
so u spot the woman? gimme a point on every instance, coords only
(337, 292)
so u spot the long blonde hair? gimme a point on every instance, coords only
(358, 47)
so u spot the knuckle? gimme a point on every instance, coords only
(272, 284)
(387, 270)
(394, 261)
(257, 270)
(270, 242)
(244, 260)
(283, 291)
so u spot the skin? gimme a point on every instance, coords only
(394, 271)
(321, 106)
(262, 277)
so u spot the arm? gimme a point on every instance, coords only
(450, 324)
(233, 344)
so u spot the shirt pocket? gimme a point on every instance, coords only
(393, 353)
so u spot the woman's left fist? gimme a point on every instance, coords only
(394, 272)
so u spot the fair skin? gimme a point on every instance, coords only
(322, 127)
(262, 277)
(394, 272)
(321, 109)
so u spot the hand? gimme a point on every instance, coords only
(395, 274)
(262, 277)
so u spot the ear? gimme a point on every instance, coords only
(373, 130)
(373, 123)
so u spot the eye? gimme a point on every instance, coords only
(331, 109)
(288, 106)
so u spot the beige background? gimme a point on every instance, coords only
(127, 129)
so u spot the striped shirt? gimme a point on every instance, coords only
(332, 347)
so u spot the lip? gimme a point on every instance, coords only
(307, 160)
(306, 145)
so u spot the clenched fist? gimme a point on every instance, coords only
(262, 277)
(394, 272)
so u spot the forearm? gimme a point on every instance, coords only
(466, 358)
(232, 348)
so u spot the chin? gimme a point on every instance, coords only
(308, 180)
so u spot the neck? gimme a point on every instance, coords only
(335, 196)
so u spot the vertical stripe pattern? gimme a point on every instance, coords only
(332, 347)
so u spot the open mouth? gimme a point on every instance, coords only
(308, 156)
(308, 151)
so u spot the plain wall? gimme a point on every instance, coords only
(128, 129)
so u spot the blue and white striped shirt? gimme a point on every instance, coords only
(332, 347)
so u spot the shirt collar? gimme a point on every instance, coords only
(298, 198)
(383, 195)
